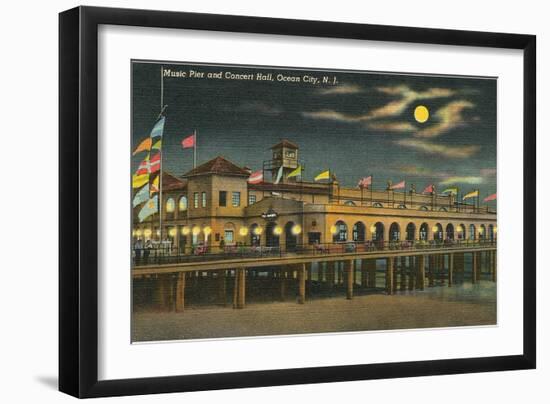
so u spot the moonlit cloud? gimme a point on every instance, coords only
(332, 115)
(391, 109)
(448, 117)
(462, 180)
(439, 149)
(392, 126)
(488, 172)
(341, 89)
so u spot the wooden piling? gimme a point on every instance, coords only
(421, 272)
(180, 292)
(302, 283)
(350, 270)
(389, 275)
(451, 268)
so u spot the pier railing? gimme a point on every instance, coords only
(201, 253)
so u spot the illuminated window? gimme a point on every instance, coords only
(195, 200)
(236, 199)
(204, 199)
(251, 199)
(170, 205)
(183, 204)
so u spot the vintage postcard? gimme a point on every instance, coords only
(280, 201)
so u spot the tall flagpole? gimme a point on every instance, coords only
(195, 149)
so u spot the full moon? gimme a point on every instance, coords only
(421, 114)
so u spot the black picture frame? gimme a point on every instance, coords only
(78, 196)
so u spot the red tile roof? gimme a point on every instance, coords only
(172, 183)
(218, 165)
(285, 143)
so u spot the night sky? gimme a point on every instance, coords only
(362, 124)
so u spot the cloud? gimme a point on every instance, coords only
(392, 126)
(391, 109)
(488, 172)
(439, 149)
(341, 89)
(259, 107)
(449, 117)
(331, 115)
(462, 180)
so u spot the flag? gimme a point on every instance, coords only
(452, 190)
(145, 145)
(155, 185)
(143, 167)
(188, 142)
(279, 175)
(139, 180)
(472, 194)
(365, 182)
(154, 164)
(141, 196)
(150, 208)
(490, 198)
(399, 185)
(296, 172)
(429, 189)
(158, 128)
(157, 145)
(256, 177)
(325, 175)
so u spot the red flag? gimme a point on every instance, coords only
(365, 182)
(399, 185)
(429, 189)
(490, 198)
(256, 177)
(143, 167)
(188, 142)
(154, 165)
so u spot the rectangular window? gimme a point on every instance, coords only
(251, 199)
(204, 199)
(195, 200)
(236, 199)
(228, 236)
(223, 198)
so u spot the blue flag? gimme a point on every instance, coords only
(141, 196)
(158, 128)
(150, 208)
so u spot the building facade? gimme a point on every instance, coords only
(214, 205)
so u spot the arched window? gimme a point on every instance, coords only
(423, 207)
(291, 236)
(450, 232)
(377, 231)
(359, 232)
(341, 233)
(170, 205)
(272, 233)
(438, 232)
(411, 230)
(255, 235)
(377, 205)
(182, 204)
(461, 232)
(424, 230)
(472, 232)
(443, 209)
(402, 206)
(482, 232)
(349, 203)
(491, 233)
(395, 232)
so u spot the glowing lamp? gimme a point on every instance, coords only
(138, 232)
(296, 229)
(435, 229)
(207, 230)
(494, 229)
(243, 231)
(372, 228)
(158, 232)
(333, 229)
(257, 230)
(172, 232)
(278, 230)
(147, 232)
(196, 230)
(185, 230)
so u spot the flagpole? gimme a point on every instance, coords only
(371, 185)
(195, 149)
